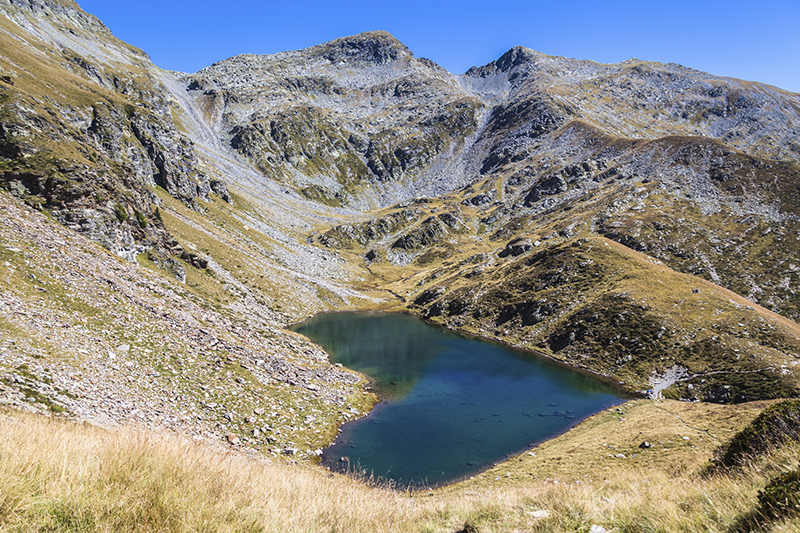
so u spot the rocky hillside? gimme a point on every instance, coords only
(92, 137)
(355, 122)
(638, 220)
(360, 122)
(87, 128)
(93, 336)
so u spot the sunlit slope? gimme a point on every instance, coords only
(88, 335)
(82, 477)
(596, 304)
(637, 220)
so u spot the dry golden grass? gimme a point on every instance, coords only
(791, 326)
(62, 476)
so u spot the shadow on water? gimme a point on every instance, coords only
(452, 406)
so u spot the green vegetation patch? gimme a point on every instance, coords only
(34, 396)
(745, 254)
(321, 195)
(632, 340)
(618, 330)
(361, 234)
(120, 212)
(775, 426)
(781, 497)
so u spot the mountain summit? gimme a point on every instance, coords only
(377, 47)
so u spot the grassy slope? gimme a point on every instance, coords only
(59, 476)
(629, 315)
(84, 478)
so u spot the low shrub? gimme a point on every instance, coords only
(141, 219)
(775, 426)
(780, 498)
(120, 212)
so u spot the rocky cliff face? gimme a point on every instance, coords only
(87, 128)
(614, 217)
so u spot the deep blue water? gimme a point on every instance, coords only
(452, 406)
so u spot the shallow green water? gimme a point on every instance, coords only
(452, 406)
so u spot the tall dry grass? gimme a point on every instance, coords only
(61, 476)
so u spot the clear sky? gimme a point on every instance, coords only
(751, 40)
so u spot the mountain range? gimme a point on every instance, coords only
(161, 230)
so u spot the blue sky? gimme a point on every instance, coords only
(756, 41)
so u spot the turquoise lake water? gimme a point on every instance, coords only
(452, 406)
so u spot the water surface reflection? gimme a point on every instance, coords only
(452, 406)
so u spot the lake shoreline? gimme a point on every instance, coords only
(468, 403)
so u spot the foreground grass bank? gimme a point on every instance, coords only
(61, 476)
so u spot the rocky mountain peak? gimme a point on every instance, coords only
(515, 57)
(52, 8)
(519, 55)
(378, 47)
(63, 24)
